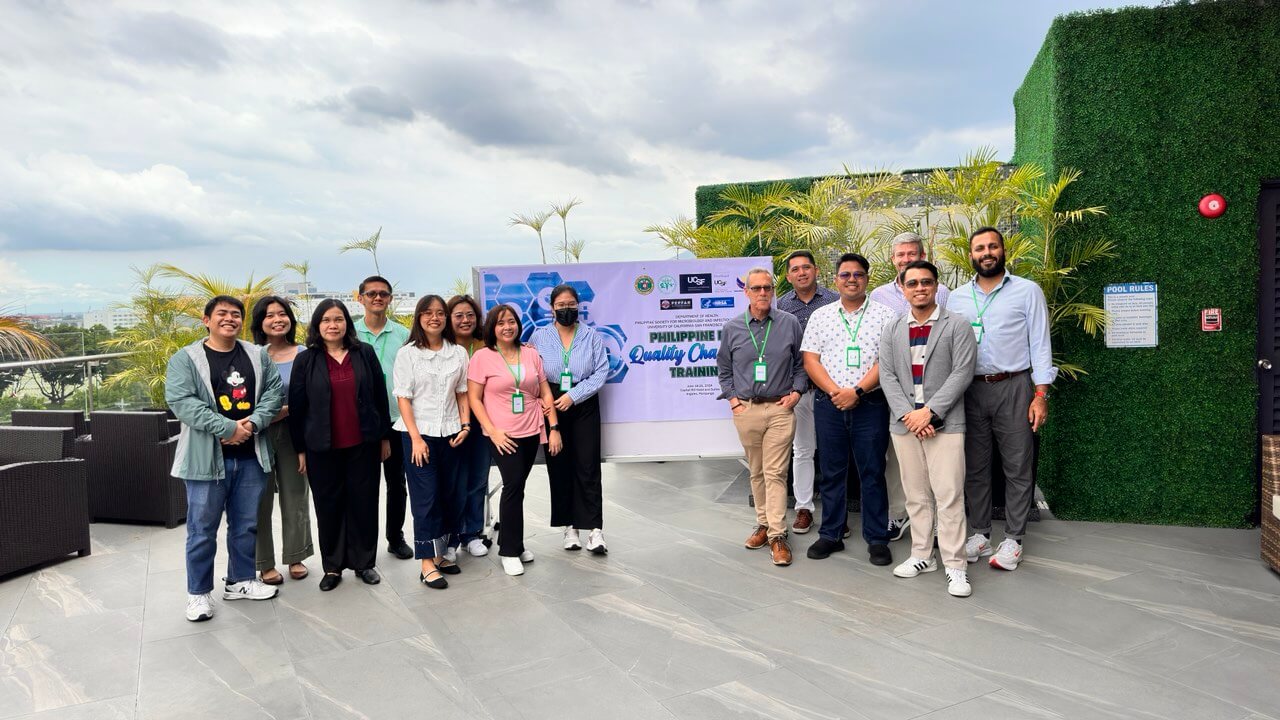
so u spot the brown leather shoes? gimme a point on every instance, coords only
(803, 523)
(781, 551)
(758, 538)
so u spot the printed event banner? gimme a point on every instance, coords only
(660, 321)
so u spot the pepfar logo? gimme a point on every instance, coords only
(675, 304)
(644, 284)
(716, 302)
(695, 283)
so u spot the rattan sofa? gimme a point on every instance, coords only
(73, 419)
(1271, 500)
(44, 503)
(129, 456)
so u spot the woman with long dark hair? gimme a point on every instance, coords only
(340, 421)
(275, 327)
(430, 386)
(507, 391)
(473, 455)
(577, 366)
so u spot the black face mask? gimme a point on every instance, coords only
(567, 316)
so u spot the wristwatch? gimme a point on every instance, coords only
(556, 426)
(857, 390)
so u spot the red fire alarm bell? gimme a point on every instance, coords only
(1213, 205)
(1211, 319)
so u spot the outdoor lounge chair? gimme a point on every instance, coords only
(73, 419)
(129, 456)
(44, 505)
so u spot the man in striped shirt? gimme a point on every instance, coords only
(927, 358)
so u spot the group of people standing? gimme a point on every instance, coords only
(323, 420)
(913, 385)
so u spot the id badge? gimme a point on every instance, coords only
(566, 381)
(762, 372)
(517, 403)
(977, 331)
(853, 357)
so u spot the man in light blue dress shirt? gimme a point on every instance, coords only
(1008, 400)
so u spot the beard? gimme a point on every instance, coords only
(995, 271)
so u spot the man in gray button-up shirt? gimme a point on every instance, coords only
(762, 377)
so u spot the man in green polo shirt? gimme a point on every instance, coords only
(387, 337)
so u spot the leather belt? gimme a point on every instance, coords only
(998, 377)
(763, 400)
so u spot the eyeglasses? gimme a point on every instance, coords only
(376, 294)
(922, 282)
(760, 288)
(565, 306)
(464, 316)
(846, 275)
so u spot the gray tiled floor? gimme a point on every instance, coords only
(678, 621)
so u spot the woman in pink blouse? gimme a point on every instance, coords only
(507, 390)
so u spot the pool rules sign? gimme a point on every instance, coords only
(1133, 309)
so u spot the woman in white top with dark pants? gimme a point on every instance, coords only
(429, 381)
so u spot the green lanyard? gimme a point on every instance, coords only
(853, 334)
(517, 376)
(565, 353)
(983, 310)
(760, 346)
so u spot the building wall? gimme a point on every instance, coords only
(1159, 107)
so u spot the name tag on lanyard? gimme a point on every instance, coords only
(977, 331)
(517, 403)
(566, 380)
(761, 370)
(853, 357)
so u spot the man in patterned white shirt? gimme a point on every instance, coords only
(841, 353)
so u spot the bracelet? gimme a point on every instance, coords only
(1042, 394)
(555, 427)
(466, 426)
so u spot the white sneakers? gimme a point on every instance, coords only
(515, 565)
(958, 582)
(595, 542)
(912, 567)
(253, 589)
(199, 607)
(1007, 556)
(451, 554)
(571, 539)
(477, 548)
(977, 546)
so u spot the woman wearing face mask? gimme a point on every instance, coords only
(473, 458)
(576, 364)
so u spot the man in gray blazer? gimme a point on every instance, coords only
(926, 363)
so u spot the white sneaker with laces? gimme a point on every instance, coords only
(199, 607)
(1008, 555)
(253, 589)
(595, 542)
(912, 567)
(477, 548)
(451, 554)
(958, 582)
(512, 565)
(977, 546)
(571, 539)
(898, 528)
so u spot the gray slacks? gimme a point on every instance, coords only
(295, 505)
(999, 410)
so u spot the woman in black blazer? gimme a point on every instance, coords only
(341, 426)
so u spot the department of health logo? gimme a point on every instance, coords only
(644, 284)
(666, 284)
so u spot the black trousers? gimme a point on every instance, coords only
(576, 497)
(344, 484)
(397, 491)
(514, 469)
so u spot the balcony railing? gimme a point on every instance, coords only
(24, 386)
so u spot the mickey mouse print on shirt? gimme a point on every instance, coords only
(231, 379)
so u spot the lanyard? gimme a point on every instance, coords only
(983, 310)
(517, 376)
(471, 347)
(567, 352)
(853, 334)
(746, 319)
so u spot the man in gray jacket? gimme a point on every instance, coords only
(926, 364)
(225, 391)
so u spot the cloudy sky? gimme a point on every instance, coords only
(230, 137)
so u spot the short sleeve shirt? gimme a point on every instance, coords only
(499, 379)
(431, 380)
(828, 337)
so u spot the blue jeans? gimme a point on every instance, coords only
(473, 479)
(433, 495)
(862, 432)
(237, 494)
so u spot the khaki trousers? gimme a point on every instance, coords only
(766, 431)
(893, 485)
(933, 477)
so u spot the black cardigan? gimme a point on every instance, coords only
(309, 398)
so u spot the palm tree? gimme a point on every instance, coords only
(562, 209)
(534, 220)
(707, 241)
(460, 286)
(19, 341)
(370, 245)
(756, 212)
(164, 328)
(303, 269)
(201, 287)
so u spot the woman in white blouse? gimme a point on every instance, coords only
(429, 382)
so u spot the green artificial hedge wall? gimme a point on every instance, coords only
(1158, 107)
